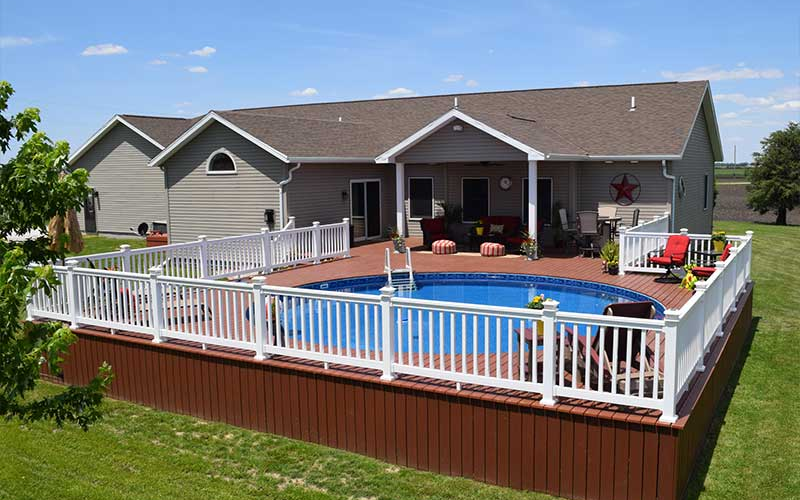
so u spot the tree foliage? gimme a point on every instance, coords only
(775, 179)
(34, 187)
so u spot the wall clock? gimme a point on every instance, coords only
(505, 183)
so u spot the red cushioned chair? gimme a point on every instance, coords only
(432, 230)
(707, 271)
(512, 225)
(673, 256)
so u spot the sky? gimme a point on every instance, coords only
(82, 62)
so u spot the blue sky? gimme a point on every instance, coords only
(82, 62)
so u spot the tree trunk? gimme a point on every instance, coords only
(781, 220)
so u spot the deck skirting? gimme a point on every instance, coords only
(571, 450)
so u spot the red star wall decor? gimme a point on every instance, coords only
(624, 189)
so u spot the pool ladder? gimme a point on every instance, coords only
(401, 279)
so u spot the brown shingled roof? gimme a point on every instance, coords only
(161, 129)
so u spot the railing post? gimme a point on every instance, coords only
(700, 289)
(723, 285)
(549, 366)
(733, 276)
(316, 241)
(72, 293)
(125, 258)
(670, 401)
(621, 258)
(259, 315)
(749, 255)
(266, 249)
(203, 246)
(387, 332)
(346, 236)
(156, 305)
(290, 224)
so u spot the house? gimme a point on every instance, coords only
(126, 191)
(388, 162)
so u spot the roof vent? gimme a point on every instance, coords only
(633, 103)
(340, 118)
(455, 102)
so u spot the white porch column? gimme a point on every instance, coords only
(400, 195)
(533, 182)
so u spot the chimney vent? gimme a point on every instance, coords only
(633, 103)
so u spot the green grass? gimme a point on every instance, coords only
(136, 452)
(102, 244)
(740, 172)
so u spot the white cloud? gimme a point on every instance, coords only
(104, 49)
(787, 93)
(471, 83)
(729, 115)
(787, 106)
(204, 52)
(157, 62)
(714, 73)
(306, 92)
(743, 100)
(396, 92)
(736, 123)
(453, 78)
(7, 42)
(183, 104)
(197, 69)
(582, 83)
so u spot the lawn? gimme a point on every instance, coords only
(739, 172)
(101, 244)
(143, 453)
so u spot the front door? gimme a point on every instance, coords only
(90, 214)
(365, 208)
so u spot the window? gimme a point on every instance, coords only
(544, 198)
(220, 162)
(420, 197)
(474, 198)
(706, 188)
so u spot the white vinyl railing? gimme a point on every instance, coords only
(646, 363)
(233, 255)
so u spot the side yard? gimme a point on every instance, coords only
(754, 449)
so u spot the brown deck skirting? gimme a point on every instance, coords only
(575, 449)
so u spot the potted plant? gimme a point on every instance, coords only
(609, 254)
(529, 247)
(718, 239)
(538, 303)
(478, 228)
(689, 281)
(398, 240)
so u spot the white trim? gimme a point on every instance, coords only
(221, 151)
(525, 206)
(488, 197)
(203, 124)
(390, 155)
(102, 133)
(715, 141)
(380, 207)
(408, 195)
(642, 157)
(331, 159)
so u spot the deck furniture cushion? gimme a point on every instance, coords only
(443, 247)
(490, 249)
(707, 271)
(432, 230)
(673, 256)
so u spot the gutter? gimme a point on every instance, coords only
(674, 191)
(281, 199)
(641, 157)
(331, 159)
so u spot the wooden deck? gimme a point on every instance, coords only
(368, 260)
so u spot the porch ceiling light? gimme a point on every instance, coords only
(608, 161)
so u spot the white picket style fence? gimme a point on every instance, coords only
(233, 255)
(456, 342)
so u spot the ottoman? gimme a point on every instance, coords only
(443, 247)
(490, 249)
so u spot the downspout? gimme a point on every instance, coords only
(281, 199)
(674, 190)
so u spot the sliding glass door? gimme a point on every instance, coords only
(365, 208)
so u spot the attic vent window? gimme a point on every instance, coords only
(220, 163)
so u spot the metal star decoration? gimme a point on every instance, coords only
(626, 191)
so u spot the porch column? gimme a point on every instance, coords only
(399, 190)
(533, 182)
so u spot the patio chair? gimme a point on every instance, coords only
(588, 232)
(433, 230)
(607, 211)
(570, 232)
(707, 271)
(639, 361)
(673, 257)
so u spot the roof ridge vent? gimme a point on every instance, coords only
(633, 103)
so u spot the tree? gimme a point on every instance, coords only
(775, 179)
(35, 186)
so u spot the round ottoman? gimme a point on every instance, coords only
(489, 249)
(443, 247)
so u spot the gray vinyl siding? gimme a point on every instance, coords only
(315, 193)
(130, 192)
(471, 144)
(220, 205)
(697, 162)
(594, 181)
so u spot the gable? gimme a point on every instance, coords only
(470, 144)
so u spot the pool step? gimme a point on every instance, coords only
(401, 279)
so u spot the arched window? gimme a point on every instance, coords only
(221, 162)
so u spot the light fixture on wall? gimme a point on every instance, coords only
(458, 127)
(344, 195)
(608, 162)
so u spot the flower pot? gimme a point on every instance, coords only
(479, 231)
(719, 246)
(399, 246)
(613, 270)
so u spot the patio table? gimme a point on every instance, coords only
(612, 223)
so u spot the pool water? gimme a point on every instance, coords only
(470, 335)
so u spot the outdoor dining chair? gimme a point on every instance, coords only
(588, 232)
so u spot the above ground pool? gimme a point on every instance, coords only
(509, 290)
